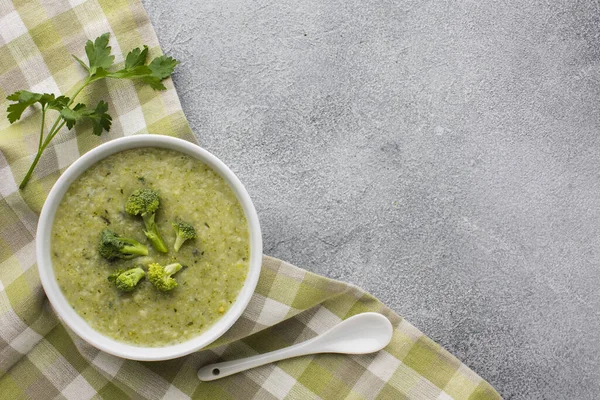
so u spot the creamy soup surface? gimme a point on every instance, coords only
(215, 263)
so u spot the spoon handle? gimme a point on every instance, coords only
(223, 369)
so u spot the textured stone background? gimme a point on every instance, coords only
(443, 155)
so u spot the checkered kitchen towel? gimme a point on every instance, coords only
(40, 358)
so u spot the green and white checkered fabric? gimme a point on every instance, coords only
(40, 358)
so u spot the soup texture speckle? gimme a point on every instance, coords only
(215, 263)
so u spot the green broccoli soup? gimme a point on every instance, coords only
(114, 241)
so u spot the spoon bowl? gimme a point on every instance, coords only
(360, 334)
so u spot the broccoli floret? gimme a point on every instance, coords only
(184, 231)
(145, 202)
(160, 276)
(114, 246)
(127, 280)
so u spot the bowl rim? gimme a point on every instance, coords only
(73, 320)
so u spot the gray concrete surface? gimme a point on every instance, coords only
(444, 155)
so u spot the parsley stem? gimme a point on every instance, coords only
(28, 176)
(51, 135)
(87, 81)
(41, 149)
(53, 131)
(54, 134)
(56, 127)
(42, 128)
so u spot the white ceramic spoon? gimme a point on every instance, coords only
(360, 334)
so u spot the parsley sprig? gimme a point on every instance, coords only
(100, 60)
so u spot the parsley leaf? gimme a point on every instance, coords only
(98, 116)
(136, 57)
(72, 115)
(26, 99)
(162, 67)
(59, 103)
(152, 74)
(98, 54)
(101, 120)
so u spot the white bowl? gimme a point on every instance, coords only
(76, 322)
